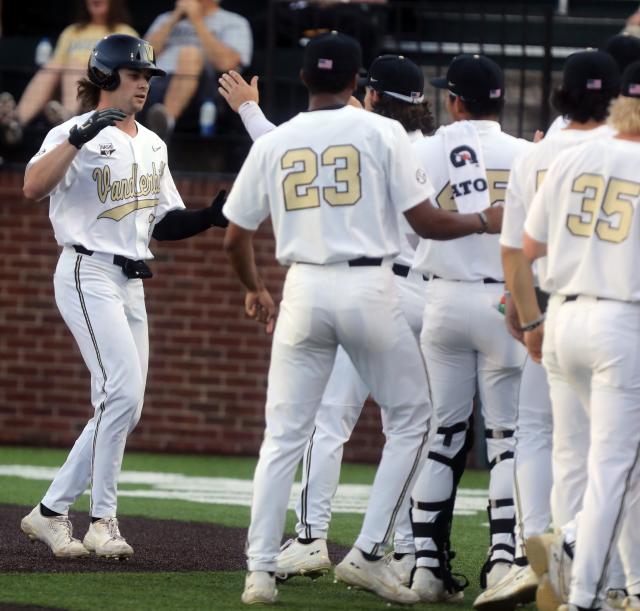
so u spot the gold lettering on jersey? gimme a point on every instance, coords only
(297, 187)
(119, 212)
(495, 183)
(615, 202)
(540, 174)
(126, 188)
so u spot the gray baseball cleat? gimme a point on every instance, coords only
(431, 589)
(259, 588)
(517, 587)
(375, 576)
(402, 567)
(310, 559)
(55, 532)
(104, 539)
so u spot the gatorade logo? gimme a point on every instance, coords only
(461, 155)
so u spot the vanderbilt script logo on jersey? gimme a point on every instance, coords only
(136, 186)
(106, 150)
(462, 155)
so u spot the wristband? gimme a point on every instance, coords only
(484, 221)
(530, 326)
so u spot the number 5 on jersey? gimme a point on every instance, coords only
(297, 187)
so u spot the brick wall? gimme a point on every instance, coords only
(208, 365)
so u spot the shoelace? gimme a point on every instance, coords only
(114, 531)
(65, 523)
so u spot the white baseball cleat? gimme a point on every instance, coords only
(375, 576)
(431, 589)
(551, 561)
(295, 558)
(55, 532)
(402, 567)
(615, 598)
(631, 602)
(497, 573)
(517, 587)
(259, 588)
(104, 539)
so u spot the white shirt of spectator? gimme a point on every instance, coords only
(334, 182)
(229, 28)
(586, 213)
(473, 257)
(114, 192)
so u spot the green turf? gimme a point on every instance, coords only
(208, 590)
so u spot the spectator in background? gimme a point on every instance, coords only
(633, 24)
(95, 20)
(194, 42)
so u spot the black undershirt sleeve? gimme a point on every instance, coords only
(181, 224)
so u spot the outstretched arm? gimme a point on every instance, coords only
(243, 98)
(432, 223)
(181, 224)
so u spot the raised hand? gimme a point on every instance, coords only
(236, 91)
(217, 218)
(79, 135)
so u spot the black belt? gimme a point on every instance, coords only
(131, 268)
(574, 297)
(365, 262)
(485, 280)
(403, 270)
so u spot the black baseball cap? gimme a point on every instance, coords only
(398, 77)
(624, 48)
(631, 81)
(590, 70)
(332, 53)
(473, 77)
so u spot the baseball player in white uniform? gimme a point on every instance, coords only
(395, 89)
(590, 81)
(584, 219)
(334, 203)
(464, 339)
(110, 190)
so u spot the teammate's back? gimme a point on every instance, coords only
(593, 236)
(343, 171)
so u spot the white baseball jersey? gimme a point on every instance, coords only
(585, 211)
(114, 192)
(527, 173)
(477, 256)
(374, 176)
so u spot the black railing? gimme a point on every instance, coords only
(528, 39)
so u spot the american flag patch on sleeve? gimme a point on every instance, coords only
(634, 88)
(325, 64)
(594, 84)
(494, 93)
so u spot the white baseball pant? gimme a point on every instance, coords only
(601, 364)
(466, 346)
(336, 418)
(533, 481)
(106, 314)
(323, 307)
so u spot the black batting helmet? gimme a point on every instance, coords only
(120, 51)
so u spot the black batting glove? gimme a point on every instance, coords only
(93, 125)
(215, 210)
